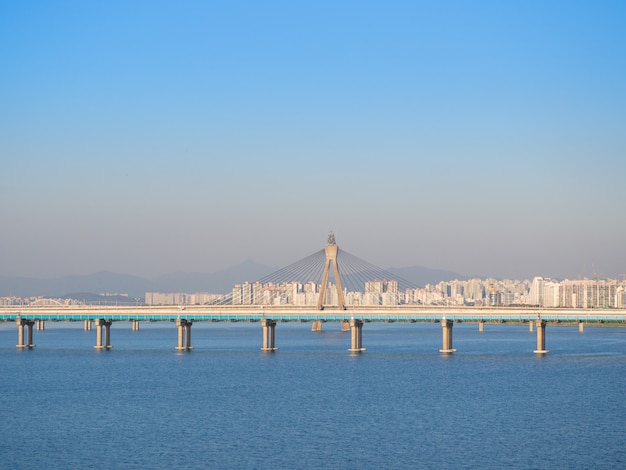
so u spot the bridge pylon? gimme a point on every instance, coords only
(331, 259)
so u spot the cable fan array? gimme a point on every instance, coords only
(360, 280)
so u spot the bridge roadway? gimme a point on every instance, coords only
(351, 318)
(402, 313)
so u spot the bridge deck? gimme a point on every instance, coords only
(306, 314)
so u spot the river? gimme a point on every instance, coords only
(312, 404)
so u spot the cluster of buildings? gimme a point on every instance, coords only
(377, 292)
(78, 299)
(541, 292)
(472, 292)
(586, 293)
(36, 301)
(200, 298)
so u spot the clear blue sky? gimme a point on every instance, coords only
(143, 137)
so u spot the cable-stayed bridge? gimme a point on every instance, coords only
(327, 278)
(328, 286)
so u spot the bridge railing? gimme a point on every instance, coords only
(308, 313)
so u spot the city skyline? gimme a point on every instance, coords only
(146, 138)
(540, 292)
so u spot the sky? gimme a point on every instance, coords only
(485, 137)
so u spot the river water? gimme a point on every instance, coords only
(311, 404)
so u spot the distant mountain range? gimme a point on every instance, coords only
(135, 287)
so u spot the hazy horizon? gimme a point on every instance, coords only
(485, 138)
(243, 263)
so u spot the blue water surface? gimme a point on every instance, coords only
(312, 404)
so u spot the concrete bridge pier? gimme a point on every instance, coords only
(188, 330)
(268, 335)
(316, 325)
(30, 343)
(102, 324)
(481, 326)
(87, 325)
(184, 335)
(356, 334)
(41, 325)
(20, 333)
(581, 327)
(446, 326)
(530, 326)
(345, 326)
(107, 333)
(135, 325)
(98, 335)
(541, 337)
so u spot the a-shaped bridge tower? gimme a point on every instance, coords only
(331, 259)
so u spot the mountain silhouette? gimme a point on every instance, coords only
(219, 282)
